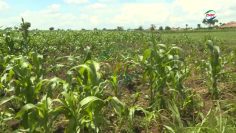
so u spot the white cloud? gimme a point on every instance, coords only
(54, 7)
(107, 1)
(141, 14)
(96, 6)
(177, 13)
(194, 11)
(3, 5)
(10, 22)
(76, 1)
(54, 17)
(109, 14)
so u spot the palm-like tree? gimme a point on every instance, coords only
(210, 22)
(186, 26)
(153, 27)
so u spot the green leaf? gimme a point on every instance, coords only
(131, 113)
(217, 49)
(146, 54)
(161, 45)
(169, 129)
(118, 106)
(88, 100)
(57, 111)
(6, 99)
(71, 128)
(24, 109)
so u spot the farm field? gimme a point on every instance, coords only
(117, 81)
(228, 36)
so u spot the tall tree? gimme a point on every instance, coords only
(140, 28)
(210, 22)
(120, 28)
(199, 26)
(186, 26)
(51, 28)
(167, 28)
(153, 27)
(161, 28)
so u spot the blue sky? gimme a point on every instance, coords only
(77, 14)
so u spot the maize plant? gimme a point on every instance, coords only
(83, 115)
(127, 114)
(79, 102)
(86, 79)
(162, 66)
(24, 28)
(9, 40)
(214, 68)
(38, 117)
(21, 77)
(114, 80)
(15, 43)
(45, 88)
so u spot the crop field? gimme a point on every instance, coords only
(228, 36)
(117, 81)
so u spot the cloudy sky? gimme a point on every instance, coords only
(77, 14)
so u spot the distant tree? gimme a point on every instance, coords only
(186, 26)
(204, 21)
(140, 28)
(199, 26)
(221, 24)
(15, 28)
(167, 28)
(161, 28)
(216, 26)
(104, 29)
(8, 28)
(95, 29)
(153, 27)
(51, 28)
(210, 22)
(119, 28)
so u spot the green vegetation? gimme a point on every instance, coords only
(117, 81)
(227, 36)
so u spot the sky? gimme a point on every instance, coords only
(89, 14)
